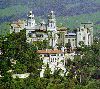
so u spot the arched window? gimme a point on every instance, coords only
(51, 25)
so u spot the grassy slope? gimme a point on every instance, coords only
(4, 28)
(74, 21)
(70, 22)
(13, 10)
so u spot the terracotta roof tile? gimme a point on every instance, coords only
(49, 51)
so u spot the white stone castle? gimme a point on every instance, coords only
(49, 31)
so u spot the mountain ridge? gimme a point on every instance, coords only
(12, 10)
(61, 8)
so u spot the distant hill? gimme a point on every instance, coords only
(68, 12)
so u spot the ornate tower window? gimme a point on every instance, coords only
(84, 38)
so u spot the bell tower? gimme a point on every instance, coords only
(31, 20)
(51, 22)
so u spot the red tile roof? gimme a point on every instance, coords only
(49, 51)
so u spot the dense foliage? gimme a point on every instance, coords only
(83, 71)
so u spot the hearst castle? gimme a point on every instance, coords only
(69, 41)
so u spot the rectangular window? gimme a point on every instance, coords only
(68, 40)
(72, 39)
(61, 54)
(55, 59)
(57, 63)
(46, 55)
(53, 54)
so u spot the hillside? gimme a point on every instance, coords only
(68, 12)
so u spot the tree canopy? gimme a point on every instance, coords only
(83, 71)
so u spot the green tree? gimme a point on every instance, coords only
(47, 72)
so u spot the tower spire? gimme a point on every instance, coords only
(51, 21)
(31, 20)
